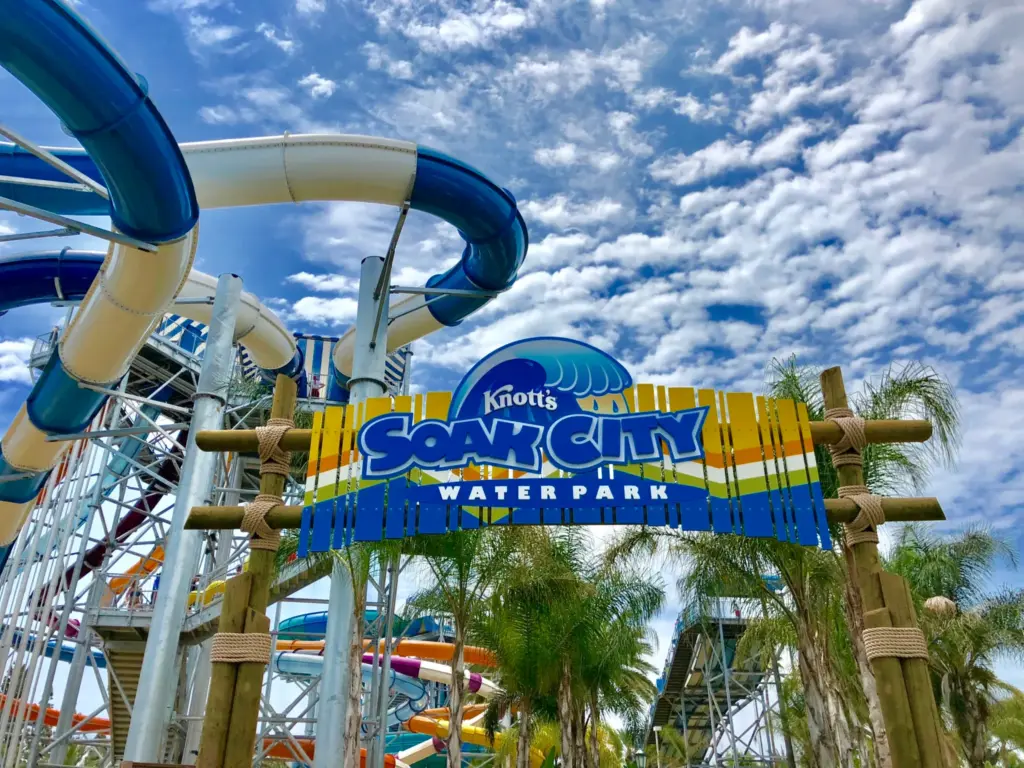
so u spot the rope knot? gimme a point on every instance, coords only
(255, 524)
(870, 514)
(847, 452)
(273, 459)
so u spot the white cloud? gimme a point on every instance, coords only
(549, 75)
(14, 354)
(560, 211)
(748, 44)
(567, 153)
(219, 114)
(206, 33)
(309, 7)
(714, 159)
(319, 311)
(325, 283)
(319, 87)
(269, 31)
(378, 58)
(564, 154)
(482, 25)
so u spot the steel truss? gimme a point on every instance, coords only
(726, 709)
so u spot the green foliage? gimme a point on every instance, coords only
(964, 643)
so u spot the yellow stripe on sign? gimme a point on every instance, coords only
(768, 445)
(808, 441)
(746, 441)
(732, 480)
(313, 467)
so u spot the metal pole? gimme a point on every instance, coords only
(367, 381)
(151, 714)
(385, 666)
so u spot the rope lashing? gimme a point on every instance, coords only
(239, 648)
(869, 516)
(847, 452)
(254, 522)
(273, 461)
(895, 642)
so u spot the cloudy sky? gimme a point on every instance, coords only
(708, 184)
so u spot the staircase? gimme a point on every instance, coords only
(124, 663)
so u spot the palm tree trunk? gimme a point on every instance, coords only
(523, 742)
(844, 742)
(354, 716)
(854, 609)
(595, 724)
(455, 703)
(580, 735)
(565, 718)
(822, 752)
(975, 736)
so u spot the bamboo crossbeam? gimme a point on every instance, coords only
(839, 511)
(822, 433)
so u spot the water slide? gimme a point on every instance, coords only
(251, 172)
(153, 190)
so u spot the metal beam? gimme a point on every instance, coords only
(115, 432)
(86, 229)
(52, 160)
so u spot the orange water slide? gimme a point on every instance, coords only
(144, 567)
(277, 748)
(471, 734)
(93, 725)
(420, 649)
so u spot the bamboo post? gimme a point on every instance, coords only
(911, 724)
(232, 710)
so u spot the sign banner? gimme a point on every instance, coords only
(551, 431)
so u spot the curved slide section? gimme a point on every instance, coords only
(63, 651)
(275, 748)
(67, 275)
(305, 665)
(151, 198)
(283, 169)
(472, 734)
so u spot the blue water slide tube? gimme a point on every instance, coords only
(64, 63)
(64, 651)
(486, 216)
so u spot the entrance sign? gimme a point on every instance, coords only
(551, 431)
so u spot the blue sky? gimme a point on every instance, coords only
(708, 183)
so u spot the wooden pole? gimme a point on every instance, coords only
(822, 433)
(232, 705)
(839, 511)
(222, 676)
(908, 738)
(245, 703)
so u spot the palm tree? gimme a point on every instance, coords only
(359, 559)
(463, 567)
(603, 626)
(570, 637)
(811, 608)
(967, 631)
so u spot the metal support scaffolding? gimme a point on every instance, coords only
(367, 381)
(151, 717)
